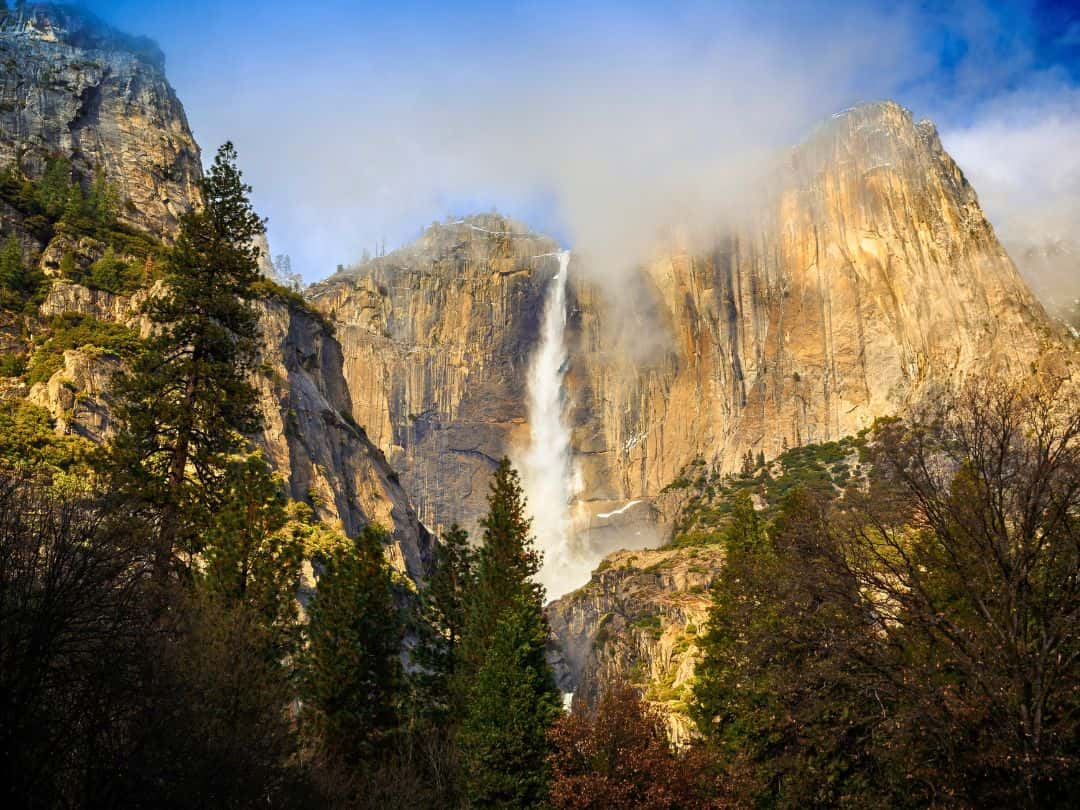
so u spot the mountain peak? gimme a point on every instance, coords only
(76, 27)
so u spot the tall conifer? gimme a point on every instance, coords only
(506, 564)
(187, 402)
(11, 265)
(443, 606)
(351, 669)
(504, 681)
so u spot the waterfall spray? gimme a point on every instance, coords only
(546, 466)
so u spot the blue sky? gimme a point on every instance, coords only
(359, 122)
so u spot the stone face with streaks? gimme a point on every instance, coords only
(869, 279)
(437, 339)
(872, 280)
(72, 86)
(637, 619)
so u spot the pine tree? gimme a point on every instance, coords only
(52, 191)
(187, 403)
(251, 558)
(350, 668)
(506, 564)
(783, 690)
(503, 679)
(11, 265)
(102, 203)
(512, 705)
(227, 671)
(75, 207)
(443, 604)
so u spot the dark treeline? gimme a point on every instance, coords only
(915, 642)
(909, 642)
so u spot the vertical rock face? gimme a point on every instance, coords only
(870, 279)
(637, 619)
(436, 340)
(312, 440)
(71, 86)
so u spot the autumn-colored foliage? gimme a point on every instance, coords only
(619, 757)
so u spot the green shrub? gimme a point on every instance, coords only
(12, 365)
(28, 441)
(112, 274)
(73, 331)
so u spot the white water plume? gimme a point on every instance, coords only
(546, 472)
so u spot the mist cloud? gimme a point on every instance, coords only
(1020, 153)
(605, 123)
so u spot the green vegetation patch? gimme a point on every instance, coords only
(28, 439)
(708, 496)
(74, 331)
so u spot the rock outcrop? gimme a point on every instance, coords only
(637, 619)
(308, 435)
(436, 340)
(73, 87)
(313, 441)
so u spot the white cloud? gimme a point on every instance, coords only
(1021, 154)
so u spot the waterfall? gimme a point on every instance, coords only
(546, 472)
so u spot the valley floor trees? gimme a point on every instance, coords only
(916, 644)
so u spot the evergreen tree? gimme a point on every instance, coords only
(503, 679)
(112, 273)
(10, 177)
(102, 203)
(75, 207)
(251, 558)
(443, 604)
(512, 705)
(187, 402)
(506, 564)
(350, 668)
(783, 690)
(11, 265)
(52, 191)
(218, 727)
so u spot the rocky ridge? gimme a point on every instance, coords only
(74, 88)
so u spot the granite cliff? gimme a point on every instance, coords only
(436, 339)
(72, 86)
(868, 280)
(871, 279)
(74, 89)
